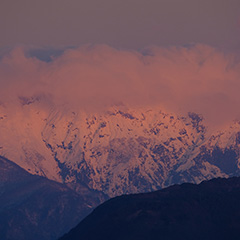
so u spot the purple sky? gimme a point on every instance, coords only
(131, 24)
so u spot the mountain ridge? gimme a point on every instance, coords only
(33, 207)
(103, 151)
(209, 210)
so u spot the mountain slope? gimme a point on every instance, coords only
(33, 207)
(209, 210)
(117, 150)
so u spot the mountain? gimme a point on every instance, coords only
(117, 150)
(33, 207)
(209, 210)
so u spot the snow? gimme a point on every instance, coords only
(104, 149)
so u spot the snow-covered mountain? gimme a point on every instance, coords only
(116, 150)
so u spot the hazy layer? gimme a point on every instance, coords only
(198, 78)
(130, 24)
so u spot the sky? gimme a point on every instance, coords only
(180, 54)
(126, 24)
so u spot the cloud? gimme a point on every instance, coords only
(197, 78)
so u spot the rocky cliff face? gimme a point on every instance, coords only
(119, 150)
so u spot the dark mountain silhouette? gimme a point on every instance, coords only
(210, 210)
(33, 207)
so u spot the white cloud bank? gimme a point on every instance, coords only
(198, 78)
